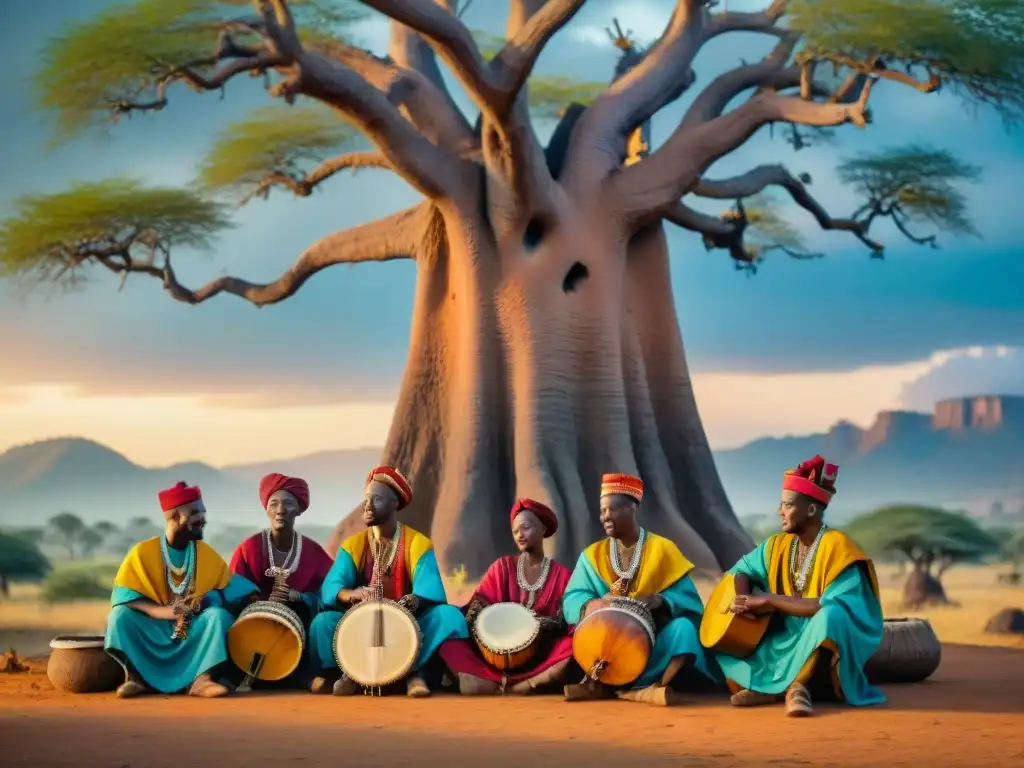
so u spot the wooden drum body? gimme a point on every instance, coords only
(613, 643)
(726, 632)
(507, 635)
(267, 640)
(358, 651)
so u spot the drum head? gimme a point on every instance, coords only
(716, 619)
(362, 658)
(506, 626)
(273, 633)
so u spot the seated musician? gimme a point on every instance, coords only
(530, 579)
(410, 574)
(635, 563)
(823, 592)
(280, 562)
(170, 605)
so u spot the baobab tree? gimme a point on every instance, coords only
(545, 347)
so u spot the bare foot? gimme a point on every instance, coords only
(416, 688)
(204, 687)
(130, 689)
(345, 686)
(747, 698)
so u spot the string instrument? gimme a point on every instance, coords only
(507, 635)
(613, 643)
(723, 631)
(377, 641)
(268, 639)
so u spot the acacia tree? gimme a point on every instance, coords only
(545, 347)
(931, 540)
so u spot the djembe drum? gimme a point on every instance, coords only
(613, 643)
(376, 643)
(722, 630)
(267, 641)
(507, 635)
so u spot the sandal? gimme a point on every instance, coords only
(798, 701)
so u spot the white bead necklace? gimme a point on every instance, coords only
(800, 577)
(634, 561)
(532, 590)
(187, 571)
(385, 561)
(291, 560)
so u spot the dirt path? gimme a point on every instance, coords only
(970, 714)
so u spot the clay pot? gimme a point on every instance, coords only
(909, 652)
(78, 664)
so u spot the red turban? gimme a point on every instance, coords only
(624, 485)
(814, 478)
(178, 496)
(275, 482)
(395, 480)
(543, 512)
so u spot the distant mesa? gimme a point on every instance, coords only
(968, 454)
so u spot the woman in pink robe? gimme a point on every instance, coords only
(529, 579)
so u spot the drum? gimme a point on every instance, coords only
(267, 640)
(377, 642)
(614, 641)
(507, 635)
(722, 630)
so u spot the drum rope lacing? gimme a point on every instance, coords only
(800, 575)
(532, 590)
(634, 561)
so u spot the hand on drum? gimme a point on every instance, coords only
(359, 595)
(654, 602)
(750, 605)
(410, 602)
(547, 623)
(294, 596)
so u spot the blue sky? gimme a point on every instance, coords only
(833, 315)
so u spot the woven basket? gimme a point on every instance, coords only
(909, 652)
(78, 664)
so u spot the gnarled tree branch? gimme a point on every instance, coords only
(599, 141)
(393, 237)
(759, 179)
(303, 186)
(675, 168)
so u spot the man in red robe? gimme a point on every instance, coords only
(280, 562)
(534, 581)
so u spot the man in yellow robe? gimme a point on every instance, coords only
(822, 592)
(641, 565)
(168, 621)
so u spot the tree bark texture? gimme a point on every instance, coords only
(533, 372)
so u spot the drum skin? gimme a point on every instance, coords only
(273, 630)
(354, 649)
(726, 632)
(611, 644)
(507, 635)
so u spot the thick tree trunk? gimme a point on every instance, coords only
(532, 373)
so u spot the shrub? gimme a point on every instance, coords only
(68, 585)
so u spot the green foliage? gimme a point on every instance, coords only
(68, 585)
(122, 54)
(50, 236)
(917, 181)
(21, 559)
(975, 46)
(273, 139)
(916, 532)
(549, 95)
(768, 229)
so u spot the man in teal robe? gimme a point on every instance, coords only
(822, 593)
(409, 575)
(170, 605)
(657, 573)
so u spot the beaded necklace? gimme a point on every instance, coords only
(800, 575)
(291, 559)
(634, 561)
(385, 560)
(187, 570)
(532, 590)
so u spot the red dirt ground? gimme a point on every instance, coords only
(971, 713)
